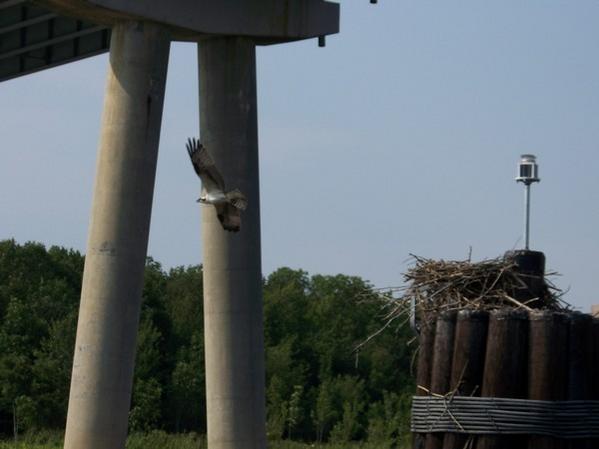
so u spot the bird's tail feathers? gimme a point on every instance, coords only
(237, 199)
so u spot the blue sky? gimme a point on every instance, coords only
(401, 136)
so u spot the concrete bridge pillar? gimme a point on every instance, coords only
(118, 236)
(233, 325)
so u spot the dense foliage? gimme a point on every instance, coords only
(318, 387)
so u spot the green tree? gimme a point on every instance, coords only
(185, 394)
(294, 414)
(146, 400)
(387, 419)
(324, 413)
(317, 384)
(188, 398)
(277, 409)
(52, 371)
(146, 410)
(25, 411)
(184, 303)
(350, 396)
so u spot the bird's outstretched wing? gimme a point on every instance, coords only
(229, 216)
(204, 166)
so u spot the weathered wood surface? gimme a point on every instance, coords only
(547, 366)
(505, 372)
(423, 371)
(580, 365)
(595, 375)
(468, 363)
(539, 355)
(441, 369)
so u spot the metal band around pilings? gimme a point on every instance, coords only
(479, 415)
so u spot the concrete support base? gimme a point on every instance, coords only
(112, 282)
(232, 262)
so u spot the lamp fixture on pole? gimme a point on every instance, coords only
(528, 172)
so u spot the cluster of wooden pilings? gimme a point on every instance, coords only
(508, 353)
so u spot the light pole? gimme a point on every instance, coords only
(528, 172)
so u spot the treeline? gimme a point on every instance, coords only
(318, 387)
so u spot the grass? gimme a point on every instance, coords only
(162, 440)
(353, 445)
(44, 439)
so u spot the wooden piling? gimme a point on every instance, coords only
(423, 371)
(595, 344)
(441, 368)
(595, 375)
(468, 363)
(580, 366)
(505, 372)
(547, 366)
(531, 267)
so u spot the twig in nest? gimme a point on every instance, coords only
(438, 285)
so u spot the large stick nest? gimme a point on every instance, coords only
(434, 286)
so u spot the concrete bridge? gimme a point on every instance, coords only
(40, 35)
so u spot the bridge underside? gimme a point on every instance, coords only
(33, 38)
(37, 35)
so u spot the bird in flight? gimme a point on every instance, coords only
(228, 204)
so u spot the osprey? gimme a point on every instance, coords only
(228, 204)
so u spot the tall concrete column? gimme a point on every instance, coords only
(232, 262)
(118, 236)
